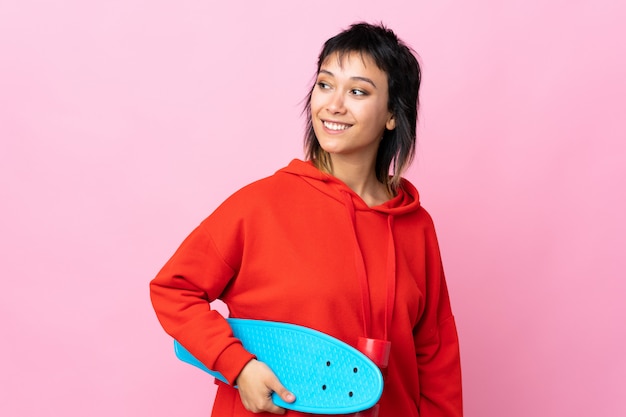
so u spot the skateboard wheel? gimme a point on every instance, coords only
(376, 349)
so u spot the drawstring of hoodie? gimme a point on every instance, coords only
(366, 306)
(377, 350)
(390, 273)
(391, 276)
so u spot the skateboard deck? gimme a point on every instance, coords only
(326, 375)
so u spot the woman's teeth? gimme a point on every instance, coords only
(335, 126)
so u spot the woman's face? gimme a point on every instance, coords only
(349, 110)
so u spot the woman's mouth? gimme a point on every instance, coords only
(335, 126)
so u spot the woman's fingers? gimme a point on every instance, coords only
(256, 383)
(282, 392)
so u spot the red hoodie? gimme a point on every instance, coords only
(298, 247)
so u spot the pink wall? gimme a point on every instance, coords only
(124, 123)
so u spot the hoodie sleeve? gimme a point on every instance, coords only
(181, 292)
(436, 344)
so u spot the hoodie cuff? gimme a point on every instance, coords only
(232, 360)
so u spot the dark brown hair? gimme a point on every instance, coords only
(391, 55)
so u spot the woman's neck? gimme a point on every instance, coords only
(361, 178)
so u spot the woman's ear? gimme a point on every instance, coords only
(391, 123)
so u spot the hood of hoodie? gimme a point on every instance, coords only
(406, 200)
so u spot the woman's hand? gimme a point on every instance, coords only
(256, 383)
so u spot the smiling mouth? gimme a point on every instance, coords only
(335, 126)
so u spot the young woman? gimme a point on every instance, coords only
(338, 243)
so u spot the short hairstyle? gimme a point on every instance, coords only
(397, 60)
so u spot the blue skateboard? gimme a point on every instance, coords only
(326, 375)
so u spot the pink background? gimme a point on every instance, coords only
(125, 122)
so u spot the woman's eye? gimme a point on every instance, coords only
(322, 85)
(358, 92)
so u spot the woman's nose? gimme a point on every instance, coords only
(336, 103)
